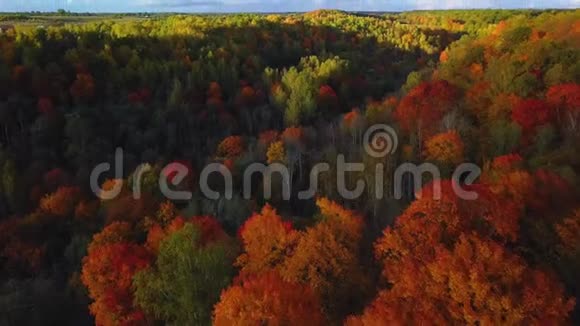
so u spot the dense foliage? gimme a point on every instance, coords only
(500, 89)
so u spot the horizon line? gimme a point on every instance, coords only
(36, 12)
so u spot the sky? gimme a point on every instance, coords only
(271, 5)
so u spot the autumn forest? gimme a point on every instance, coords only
(496, 88)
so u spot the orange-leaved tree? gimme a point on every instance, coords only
(447, 264)
(475, 281)
(267, 299)
(62, 202)
(423, 107)
(267, 241)
(276, 152)
(231, 147)
(108, 271)
(428, 222)
(326, 257)
(446, 148)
